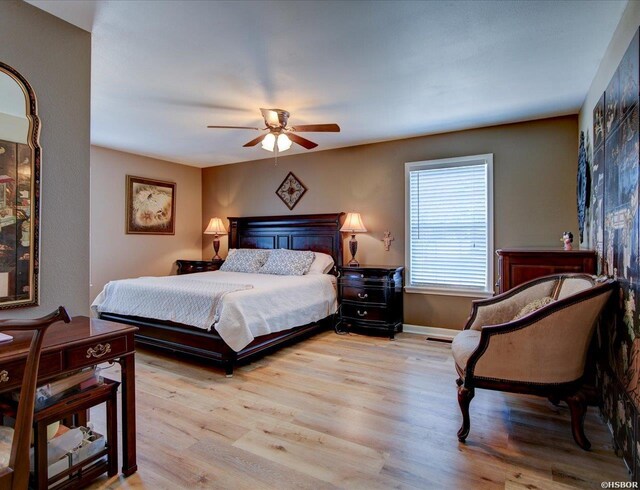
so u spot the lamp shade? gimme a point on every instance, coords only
(268, 142)
(284, 143)
(353, 224)
(215, 227)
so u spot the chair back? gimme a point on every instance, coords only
(16, 476)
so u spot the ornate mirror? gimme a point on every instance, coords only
(19, 191)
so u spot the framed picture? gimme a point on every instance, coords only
(151, 206)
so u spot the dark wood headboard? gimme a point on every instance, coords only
(316, 232)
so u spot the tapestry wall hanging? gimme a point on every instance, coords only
(614, 229)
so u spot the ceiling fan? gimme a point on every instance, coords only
(279, 136)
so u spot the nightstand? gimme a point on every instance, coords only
(370, 298)
(191, 266)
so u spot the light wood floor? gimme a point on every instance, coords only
(349, 412)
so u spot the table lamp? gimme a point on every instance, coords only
(353, 224)
(216, 228)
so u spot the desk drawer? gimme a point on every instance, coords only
(11, 373)
(90, 354)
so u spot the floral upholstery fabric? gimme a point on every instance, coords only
(245, 260)
(284, 262)
(6, 438)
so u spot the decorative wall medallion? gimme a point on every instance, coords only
(291, 190)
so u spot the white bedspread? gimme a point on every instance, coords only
(187, 299)
(263, 304)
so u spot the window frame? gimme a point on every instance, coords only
(487, 159)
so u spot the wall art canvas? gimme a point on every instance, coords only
(616, 177)
(291, 190)
(150, 206)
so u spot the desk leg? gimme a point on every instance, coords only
(129, 464)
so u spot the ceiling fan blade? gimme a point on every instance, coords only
(316, 128)
(255, 141)
(233, 127)
(302, 141)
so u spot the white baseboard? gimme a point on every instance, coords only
(434, 332)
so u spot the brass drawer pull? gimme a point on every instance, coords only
(4, 376)
(363, 296)
(360, 313)
(99, 351)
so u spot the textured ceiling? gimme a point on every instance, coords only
(163, 70)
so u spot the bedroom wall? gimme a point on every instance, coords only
(56, 59)
(535, 167)
(116, 255)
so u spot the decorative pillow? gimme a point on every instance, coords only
(245, 260)
(533, 306)
(285, 262)
(322, 264)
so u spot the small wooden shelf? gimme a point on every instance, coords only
(74, 407)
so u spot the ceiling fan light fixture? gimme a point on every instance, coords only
(269, 142)
(284, 143)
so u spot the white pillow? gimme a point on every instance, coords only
(322, 264)
(283, 262)
(245, 260)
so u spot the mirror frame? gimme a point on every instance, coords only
(34, 144)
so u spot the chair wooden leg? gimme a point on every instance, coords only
(578, 408)
(465, 395)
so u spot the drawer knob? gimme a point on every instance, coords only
(98, 351)
(361, 276)
(363, 296)
(362, 313)
(4, 376)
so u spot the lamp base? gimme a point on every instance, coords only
(353, 248)
(216, 247)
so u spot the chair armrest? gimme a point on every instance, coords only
(503, 307)
(547, 346)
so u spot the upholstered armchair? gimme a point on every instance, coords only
(532, 339)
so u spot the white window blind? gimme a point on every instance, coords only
(449, 224)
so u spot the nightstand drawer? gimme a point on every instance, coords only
(362, 294)
(365, 312)
(360, 277)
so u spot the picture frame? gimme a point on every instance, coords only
(150, 206)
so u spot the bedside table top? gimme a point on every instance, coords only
(371, 267)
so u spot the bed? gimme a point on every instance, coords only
(318, 233)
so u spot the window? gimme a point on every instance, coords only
(449, 229)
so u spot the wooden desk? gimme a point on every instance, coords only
(72, 346)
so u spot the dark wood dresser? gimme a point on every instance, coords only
(518, 265)
(370, 299)
(191, 266)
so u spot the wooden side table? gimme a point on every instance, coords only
(371, 298)
(192, 266)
